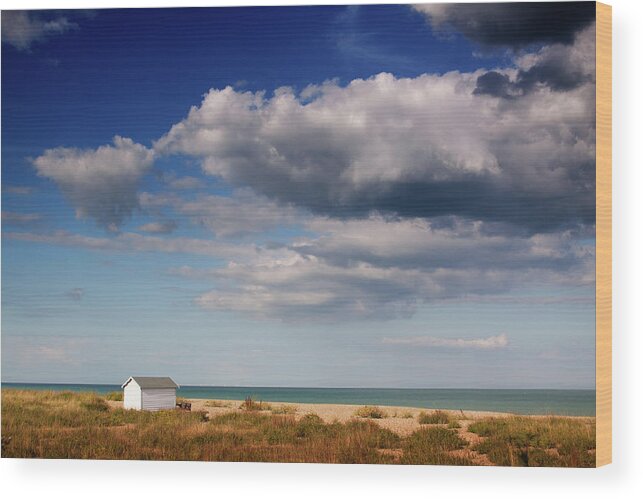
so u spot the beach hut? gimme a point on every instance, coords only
(149, 393)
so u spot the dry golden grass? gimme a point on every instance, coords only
(45, 424)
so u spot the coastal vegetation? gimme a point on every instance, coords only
(522, 441)
(48, 424)
(435, 417)
(369, 411)
(252, 405)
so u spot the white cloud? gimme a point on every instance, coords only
(348, 271)
(489, 343)
(21, 28)
(100, 183)
(453, 242)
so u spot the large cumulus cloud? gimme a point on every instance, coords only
(416, 147)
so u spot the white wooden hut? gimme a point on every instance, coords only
(149, 393)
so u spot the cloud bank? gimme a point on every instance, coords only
(369, 199)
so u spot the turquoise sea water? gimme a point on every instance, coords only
(562, 402)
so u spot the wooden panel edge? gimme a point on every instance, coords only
(603, 234)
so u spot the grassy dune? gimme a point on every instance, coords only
(83, 425)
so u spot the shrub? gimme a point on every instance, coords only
(309, 425)
(369, 411)
(435, 417)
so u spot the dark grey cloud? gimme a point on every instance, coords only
(560, 68)
(495, 84)
(514, 25)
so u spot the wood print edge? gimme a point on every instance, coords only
(603, 234)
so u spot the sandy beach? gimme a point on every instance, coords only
(401, 420)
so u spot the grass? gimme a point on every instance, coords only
(369, 411)
(402, 415)
(59, 425)
(252, 405)
(115, 396)
(42, 424)
(552, 441)
(284, 409)
(435, 417)
(435, 446)
(217, 403)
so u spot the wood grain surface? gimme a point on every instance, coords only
(603, 234)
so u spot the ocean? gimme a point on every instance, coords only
(560, 402)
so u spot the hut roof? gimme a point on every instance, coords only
(152, 382)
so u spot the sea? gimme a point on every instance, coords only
(559, 402)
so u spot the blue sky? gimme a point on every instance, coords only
(305, 196)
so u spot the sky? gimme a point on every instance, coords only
(337, 196)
